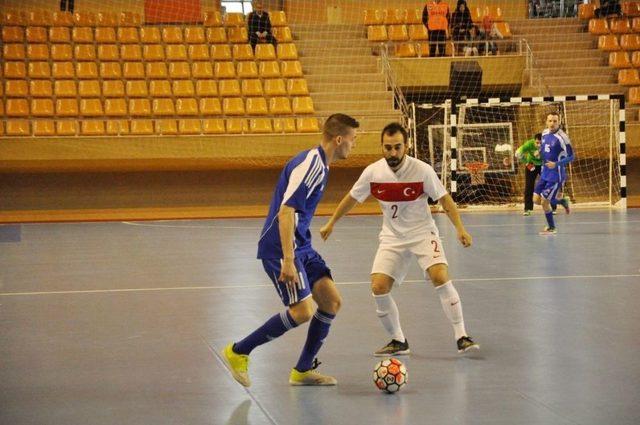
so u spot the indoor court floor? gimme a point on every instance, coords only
(122, 323)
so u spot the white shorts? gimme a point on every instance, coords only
(393, 256)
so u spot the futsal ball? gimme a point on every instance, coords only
(390, 375)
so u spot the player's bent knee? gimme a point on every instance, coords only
(381, 284)
(439, 274)
(302, 312)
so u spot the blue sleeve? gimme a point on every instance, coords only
(570, 156)
(302, 181)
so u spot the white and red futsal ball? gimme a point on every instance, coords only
(390, 375)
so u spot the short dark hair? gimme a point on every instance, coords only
(538, 136)
(556, 113)
(338, 125)
(392, 129)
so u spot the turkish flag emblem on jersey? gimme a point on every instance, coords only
(397, 192)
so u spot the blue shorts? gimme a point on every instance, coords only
(548, 190)
(311, 268)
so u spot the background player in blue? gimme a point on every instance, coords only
(555, 153)
(298, 273)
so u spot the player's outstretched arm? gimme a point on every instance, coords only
(346, 205)
(452, 212)
(286, 224)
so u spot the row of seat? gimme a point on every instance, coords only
(139, 70)
(611, 42)
(629, 77)
(380, 33)
(154, 88)
(133, 35)
(189, 126)
(614, 26)
(142, 107)
(414, 16)
(588, 11)
(111, 19)
(148, 52)
(622, 59)
(413, 50)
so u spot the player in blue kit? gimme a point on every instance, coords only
(555, 152)
(297, 271)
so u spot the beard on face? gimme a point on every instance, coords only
(393, 162)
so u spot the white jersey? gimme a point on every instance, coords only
(403, 196)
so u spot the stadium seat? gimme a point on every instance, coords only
(278, 18)
(287, 51)
(150, 35)
(608, 43)
(247, 70)
(13, 17)
(413, 17)
(213, 126)
(117, 127)
(279, 106)
(210, 106)
(212, 18)
(136, 70)
(113, 88)
(44, 107)
(224, 70)
(265, 52)
(477, 13)
(14, 70)
(42, 88)
(394, 16)
(105, 35)
(12, 34)
(64, 88)
(91, 108)
(504, 29)
(269, 69)
(172, 35)
(16, 88)
(237, 35)
(39, 70)
(105, 19)
(67, 128)
(260, 125)
(82, 35)
(61, 52)
(377, 33)
(635, 25)
(275, 87)
(139, 107)
(36, 35)
(153, 52)
(220, 52)
(630, 42)
(14, 51)
(67, 107)
(110, 70)
(256, 106)
(619, 59)
(63, 70)
(84, 19)
(137, 88)
(44, 127)
(635, 59)
(418, 32)
(283, 34)
(302, 105)
(115, 107)
(629, 77)
(634, 95)
(236, 125)
(291, 69)
(198, 52)
(40, 18)
(252, 87)
(183, 88)
(186, 106)
(397, 33)
(297, 87)
(129, 19)
(206, 88)
(234, 19)
(37, 52)
(307, 125)
(131, 52)
(59, 35)
(86, 70)
(598, 26)
(142, 127)
(631, 8)
(84, 52)
(495, 12)
(189, 126)
(92, 128)
(128, 35)
(216, 35)
(176, 52)
(18, 128)
(91, 88)
(179, 70)
(108, 52)
(406, 50)
(166, 126)
(586, 11)
(233, 106)
(242, 52)
(620, 26)
(159, 88)
(284, 125)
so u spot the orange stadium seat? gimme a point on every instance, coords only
(66, 107)
(137, 88)
(634, 95)
(18, 128)
(252, 87)
(229, 88)
(140, 107)
(216, 35)
(198, 52)
(210, 106)
(477, 13)
(108, 52)
(495, 12)
(159, 88)
(91, 108)
(233, 106)
(260, 125)
(91, 88)
(635, 25)
(189, 126)
(172, 35)
(84, 52)
(619, 59)
(287, 51)
(598, 26)
(247, 70)
(414, 16)
(302, 105)
(265, 52)
(212, 18)
(14, 70)
(14, 51)
(631, 8)
(256, 106)
(586, 11)
(84, 19)
(278, 18)
(242, 52)
(186, 106)
(111, 88)
(221, 52)
(166, 126)
(418, 32)
(41, 88)
(12, 34)
(406, 50)
(105, 19)
(236, 125)
(284, 125)
(224, 70)
(63, 70)
(234, 19)
(279, 106)
(117, 127)
(237, 35)
(37, 52)
(44, 127)
(179, 70)
(92, 127)
(16, 88)
(128, 35)
(131, 52)
(608, 43)
(206, 88)
(142, 127)
(291, 69)
(13, 17)
(183, 88)
(150, 35)
(153, 52)
(39, 70)
(283, 34)
(394, 16)
(36, 35)
(630, 42)
(44, 107)
(115, 107)
(213, 126)
(82, 35)
(176, 52)
(67, 128)
(504, 29)
(59, 35)
(275, 87)
(635, 59)
(307, 125)
(61, 52)
(377, 33)
(629, 77)
(194, 35)
(135, 70)
(620, 26)
(129, 19)
(110, 70)
(397, 33)
(297, 87)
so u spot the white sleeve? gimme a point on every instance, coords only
(433, 187)
(362, 188)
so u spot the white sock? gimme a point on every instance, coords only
(389, 315)
(452, 308)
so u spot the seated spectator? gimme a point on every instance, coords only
(607, 8)
(470, 48)
(461, 24)
(489, 33)
(259, 26)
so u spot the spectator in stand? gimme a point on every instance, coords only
(489, 33)
(473, 42)
(608, 7)
(259, 26)
(435, 17)
(461, 24)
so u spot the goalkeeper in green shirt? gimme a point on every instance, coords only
(529, 154)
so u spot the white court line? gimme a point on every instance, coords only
(259, 285)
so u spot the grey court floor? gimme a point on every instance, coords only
(121, 323)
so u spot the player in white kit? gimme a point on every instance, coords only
(402, 186)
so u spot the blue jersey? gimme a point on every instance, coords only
(555, 147)
(300, 186)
